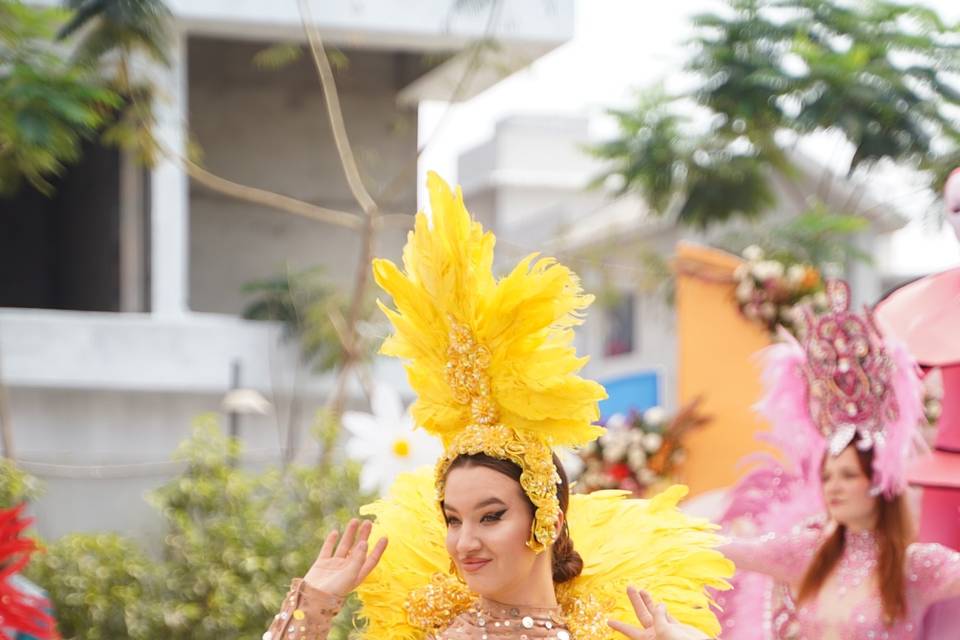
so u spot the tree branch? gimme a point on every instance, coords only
(268, 198)
(337, 400)
(332, 99)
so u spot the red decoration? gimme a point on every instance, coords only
(20, 612)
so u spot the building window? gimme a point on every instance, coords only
(620, 322)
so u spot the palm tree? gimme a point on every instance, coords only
(119, 28)
(48, 106)
(878, 72)
(122, 26)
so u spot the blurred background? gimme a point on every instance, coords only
(191, 192)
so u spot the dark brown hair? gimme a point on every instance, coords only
(893, 532)
(566, 562)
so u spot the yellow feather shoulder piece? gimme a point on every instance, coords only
(646, 543)
(482, 351)
(649, 544)
(396, 596)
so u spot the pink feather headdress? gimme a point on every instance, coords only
(845, 383)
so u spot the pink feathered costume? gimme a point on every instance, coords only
(845, 381)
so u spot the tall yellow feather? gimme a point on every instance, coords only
(525, 321)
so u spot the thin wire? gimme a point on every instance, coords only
(129, 470)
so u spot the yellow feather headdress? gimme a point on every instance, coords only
(491, 361)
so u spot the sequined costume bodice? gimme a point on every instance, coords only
(307, 614)
(848, 606)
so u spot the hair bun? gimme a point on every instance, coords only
(567, 563)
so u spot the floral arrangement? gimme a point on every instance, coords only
(773, 290)
(640, 452)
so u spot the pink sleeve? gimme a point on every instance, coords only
(784, 557)
(933, 572)
(307, 614)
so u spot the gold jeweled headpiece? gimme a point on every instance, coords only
(491, 360)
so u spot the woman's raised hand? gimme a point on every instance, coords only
(657, 623)
(341, 567)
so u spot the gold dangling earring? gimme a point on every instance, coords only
(455, 573)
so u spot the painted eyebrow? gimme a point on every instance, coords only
(479, 505)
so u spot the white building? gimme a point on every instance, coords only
(121, 295)
(529, 182)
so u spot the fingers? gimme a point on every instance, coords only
(373, 558)
(358, 553)
(632, 632)
(660, 618)
(364, 533)
(642, 605)
(329, 544)
(347, 540)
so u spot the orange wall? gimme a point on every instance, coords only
(716, 360)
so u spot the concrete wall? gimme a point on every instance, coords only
(269, 129)
(99, 453)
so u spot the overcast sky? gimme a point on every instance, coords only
(618, 47)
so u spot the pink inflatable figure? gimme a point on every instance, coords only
(926, 316)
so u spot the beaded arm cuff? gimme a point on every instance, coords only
(307, 614)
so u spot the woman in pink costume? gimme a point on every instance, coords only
(926, 316)
(844, 407)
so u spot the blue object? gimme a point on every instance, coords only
(25, 586)
(636, 392)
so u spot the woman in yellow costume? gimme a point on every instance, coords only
(483, 545)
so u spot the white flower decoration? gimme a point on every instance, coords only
(768, 270)
(615, 445)
(572, 463)
(616, 422)
(796, 273)
(385, 442)
(745, 290)
(636, 458)
(655, 416)
(753, 253)
(652, 442)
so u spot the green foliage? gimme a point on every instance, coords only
(278, 56)
(48, 106)
(816, 237)
(649, 154)
(110, 33)
(16, 485)
(312, 310)
(881, 73)
(707, 178)
(103, 586)
(118, 25)
(234, 540)
(284, 54)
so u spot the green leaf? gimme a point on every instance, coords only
(278, 56)
(34, 128)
